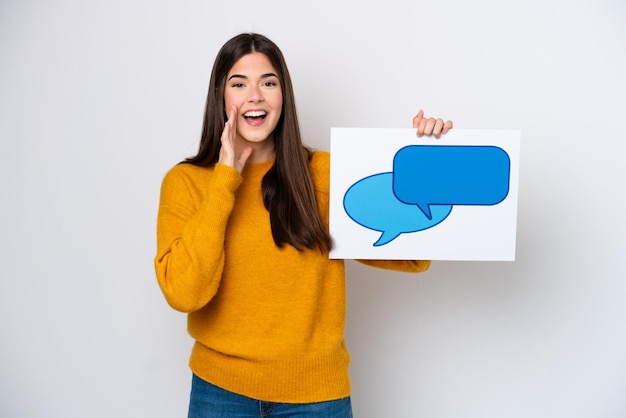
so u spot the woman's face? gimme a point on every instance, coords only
(253, 86)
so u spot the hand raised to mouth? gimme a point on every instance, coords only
(228, 151)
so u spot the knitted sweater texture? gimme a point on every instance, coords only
(268, 322)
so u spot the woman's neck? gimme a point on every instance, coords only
(261, 152)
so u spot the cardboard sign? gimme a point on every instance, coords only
(398, 197)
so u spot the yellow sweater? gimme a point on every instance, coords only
(268, 322)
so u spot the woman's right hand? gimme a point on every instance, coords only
(228, 151)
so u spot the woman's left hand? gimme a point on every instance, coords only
(430, 126)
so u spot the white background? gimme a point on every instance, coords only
(99, 98)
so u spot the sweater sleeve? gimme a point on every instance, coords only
(407, 266)
(191, 227)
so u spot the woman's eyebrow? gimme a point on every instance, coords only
(266, 75)
(237, 76)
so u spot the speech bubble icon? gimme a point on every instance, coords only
(371, 203)
(426, 175)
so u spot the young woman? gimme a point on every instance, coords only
(242, 247)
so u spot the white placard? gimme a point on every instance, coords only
(398, 197)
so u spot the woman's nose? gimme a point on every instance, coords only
(255, 94)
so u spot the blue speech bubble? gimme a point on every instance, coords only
(426, 175)
(371, 203)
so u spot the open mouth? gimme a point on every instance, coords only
(255, 115)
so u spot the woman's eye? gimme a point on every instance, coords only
(270, 84)
(237, 85)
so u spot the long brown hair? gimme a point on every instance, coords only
(288, 191)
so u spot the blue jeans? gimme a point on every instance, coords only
(209, 401)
